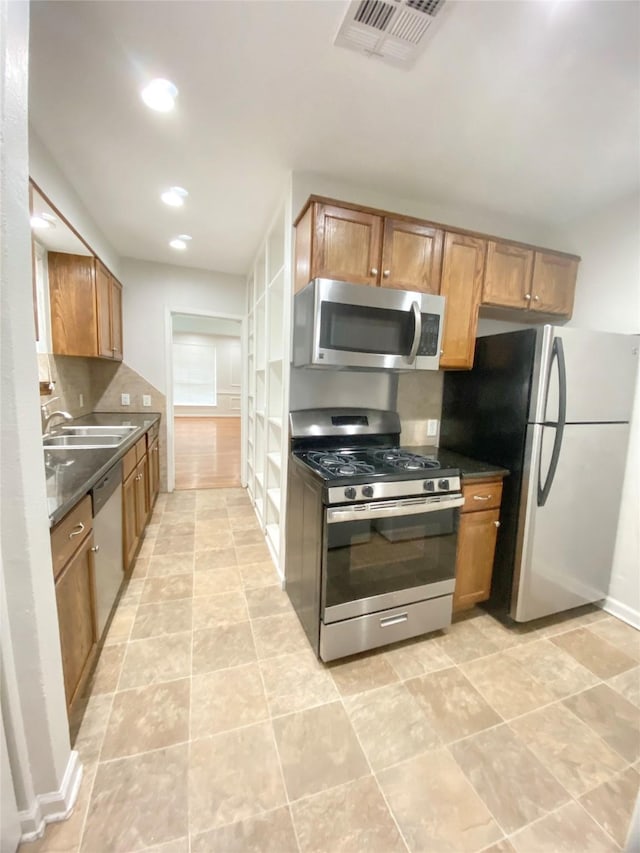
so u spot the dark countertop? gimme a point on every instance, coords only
(469, 468)
(72, 473)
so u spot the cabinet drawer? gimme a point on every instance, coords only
(141, 448)
(482, 496)
(69, 533)
(129, 462)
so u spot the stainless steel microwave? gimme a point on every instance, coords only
(343, 325)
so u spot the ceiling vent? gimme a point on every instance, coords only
(391, 30)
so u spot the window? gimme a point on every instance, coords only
(194, 374)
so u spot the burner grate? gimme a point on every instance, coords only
(339, 465)
(401, 460)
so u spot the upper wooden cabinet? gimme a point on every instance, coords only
(362, 247)
(86, 307)
(461, 285)
(517, 277)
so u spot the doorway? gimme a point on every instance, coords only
(206, 360)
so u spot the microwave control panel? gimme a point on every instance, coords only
(429, 337)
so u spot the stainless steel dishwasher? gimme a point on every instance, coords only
(106, 498)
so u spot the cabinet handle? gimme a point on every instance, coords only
(536, 299)
(95, 548)
(497, 523)
(527, 296)
(482, 497)
(441, 352)
(386, 273)
(77, 530)
(374, 271)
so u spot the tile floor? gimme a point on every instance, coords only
(210, 726)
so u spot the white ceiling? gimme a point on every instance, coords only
(529, 108)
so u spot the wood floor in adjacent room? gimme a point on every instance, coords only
(207, 453)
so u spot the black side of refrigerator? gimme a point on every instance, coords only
(484, 416)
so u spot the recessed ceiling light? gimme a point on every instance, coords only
(42, 220)
(174, 196)
(179, 242)
(160, 95)
(185, 237)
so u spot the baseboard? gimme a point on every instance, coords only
(622, 611)
(54, 806)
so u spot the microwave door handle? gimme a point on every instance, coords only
(417, 332)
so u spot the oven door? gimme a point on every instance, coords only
(387, 554)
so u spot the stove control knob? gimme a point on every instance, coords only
(367, 491)
(443, 484)
(429, 486)
(350, 493)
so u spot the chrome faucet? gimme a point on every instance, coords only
(46, 424)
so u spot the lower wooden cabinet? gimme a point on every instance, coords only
(154, 472)
(476, 543)
(140, 487)
(76, 602)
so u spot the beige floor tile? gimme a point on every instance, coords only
(147, 718)
(220, 648)
(513, 783)
(503, 846)
(295, 682)
(244, 522)
(611, 804)
(566, 831)
(569, 620)
(452, 705)
(209, 498)
(121, 624)
(318, 750)
(211, 513)
(215, 558)
(218, 537)
(226, 700)
(169, 529)
(167, 588)
(171, 564)
(464, 642)
(268, 833)
(506, 686)
(418, 657)
(232, 777)
(353, 817)
(164, 617)
(257, 574)
(601, 657)
(279, 635)
(611, 716)
(252, 554)
(88, 728)
(132, 593)
(146, 548)
(217, 581)
(267, 601)
(574, 753)
(138, 802)
(624, 636)
(362, 672)
(179, 845)
(140, 567)
(240, 510)
(152, 661)
(107, 672)
(214, 611)
(184, 544)
(390, 725)
(421, 793)
(247, 536)
(628, 685)
(237, 497)
(550, 665)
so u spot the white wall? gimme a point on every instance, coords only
(151, 290)
(228, 374)
(54, 184)
(608, 298)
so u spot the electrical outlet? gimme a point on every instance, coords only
(432, 427)
(146, 399)
(81, 400)
(125, 400)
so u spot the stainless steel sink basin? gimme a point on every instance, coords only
(82, 442)
(98, 430)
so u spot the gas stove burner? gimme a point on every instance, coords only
(400, 460)
(340, 466)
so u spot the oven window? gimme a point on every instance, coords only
(372, 557)
(357, 328)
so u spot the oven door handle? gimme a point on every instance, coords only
(417, 332)
(389, 509)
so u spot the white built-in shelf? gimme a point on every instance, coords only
(259, 504)
(275, 458)
(273, 535)
(260, 414)
(276, 422)
(260, 479)
(274, 497)
(274, 277)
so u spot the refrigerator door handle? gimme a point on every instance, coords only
(557, 356)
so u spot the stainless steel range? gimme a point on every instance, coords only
(371, 532)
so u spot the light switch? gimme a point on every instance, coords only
(146, 399)
(432, 427)
(125, 400)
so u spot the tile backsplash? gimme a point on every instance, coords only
(419, 398)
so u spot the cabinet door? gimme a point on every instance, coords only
(347, 245)
(411, 256)
(129, 523)
(507, 276)
(103, 308)
(116, 319)
(75, 597)
(73, 304)
(154, 472)
(474, 560)
(462, 269)
(142, 495)
(554, 283)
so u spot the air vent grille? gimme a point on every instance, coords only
(391, 30)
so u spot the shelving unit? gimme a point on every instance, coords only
(268, 309)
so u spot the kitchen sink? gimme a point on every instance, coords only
(98, 430)
(83, 442)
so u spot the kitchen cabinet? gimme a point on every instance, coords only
(461, 285)
(140, 486)
(521, 278)
(363, 247)
(72, 555)
(477, 534)
(154, 472)
(86, 307)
